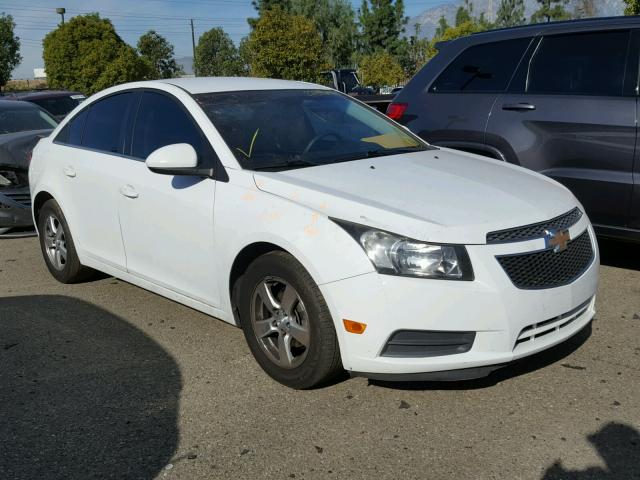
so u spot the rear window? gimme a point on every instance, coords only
(58, 106)
(105, 124)
(482, 68)
(580, 64)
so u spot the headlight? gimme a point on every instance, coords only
(397, 255)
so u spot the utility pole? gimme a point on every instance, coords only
(61, 11)
(193, 45)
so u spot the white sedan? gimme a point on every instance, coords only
(334, 237)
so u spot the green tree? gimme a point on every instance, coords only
(382, 23)
(414, 53)
(217, 56)
(510, 13)
(158, 53)
(550, 10)
(632, 7)
(380, 69)
(262, 6)
(452, 33)
(86, 54)
(442, 26)
(9, 48)
(335, 21)
(464, 13)
(285, 46)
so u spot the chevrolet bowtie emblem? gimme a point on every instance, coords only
(557, 239)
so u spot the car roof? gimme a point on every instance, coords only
(35, 95)
(565, 26)
(196, 85)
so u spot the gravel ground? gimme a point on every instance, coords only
(105, 380)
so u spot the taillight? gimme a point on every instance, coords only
(396, 110)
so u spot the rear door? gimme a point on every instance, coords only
(93, 161)
(571, 114)
(453, 111)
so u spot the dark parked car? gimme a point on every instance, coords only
(57, 102)
(559, 98)
(22, 125)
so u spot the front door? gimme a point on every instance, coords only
(167, 221)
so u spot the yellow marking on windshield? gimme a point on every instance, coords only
(390, 140)
(253, 140)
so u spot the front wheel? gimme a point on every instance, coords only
(287, 323)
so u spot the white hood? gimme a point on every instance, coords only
(438, 195)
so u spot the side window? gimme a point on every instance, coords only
(71, 133)
(105, 126)
(161, 121)
(482, 68)
(580, 64)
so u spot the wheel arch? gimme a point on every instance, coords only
(243, 259)
(40, 199)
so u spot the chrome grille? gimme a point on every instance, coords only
(547, 269)
(535, 230)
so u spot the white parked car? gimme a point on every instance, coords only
(334, 237)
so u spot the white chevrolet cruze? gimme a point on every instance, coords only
(334, 237)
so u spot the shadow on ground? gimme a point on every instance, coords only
(526, 365)
(83, 393)
(616, 253)
(619, 447)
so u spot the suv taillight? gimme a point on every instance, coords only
(396, 110)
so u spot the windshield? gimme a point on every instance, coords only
(281, 129)
(21, 119)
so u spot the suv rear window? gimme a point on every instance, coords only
(580, 64)
(482, 68)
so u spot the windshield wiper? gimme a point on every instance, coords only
(393, 151)
(294, 163)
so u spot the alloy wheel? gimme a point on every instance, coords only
(55, 242)
(280, 322)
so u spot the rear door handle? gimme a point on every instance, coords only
(69, 172)
(128, 191)
(518, 106)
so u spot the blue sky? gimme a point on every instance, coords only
(134, 17)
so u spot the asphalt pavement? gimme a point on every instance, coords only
(106, 380)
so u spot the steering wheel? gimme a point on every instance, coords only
(319, 137)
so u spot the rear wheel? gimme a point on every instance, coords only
(57, 246)
(286, 322)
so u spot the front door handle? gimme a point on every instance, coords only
(518, 106)
(69, 172)
(128, 191)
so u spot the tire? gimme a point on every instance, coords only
(268, 323)
(57, 246)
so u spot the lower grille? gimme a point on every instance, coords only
(533, 332)
(547, 269)
(23, 199)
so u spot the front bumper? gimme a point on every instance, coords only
(15, 208)
(509, 323)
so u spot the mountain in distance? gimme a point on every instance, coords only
(428, 20)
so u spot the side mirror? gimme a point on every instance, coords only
(176, 159)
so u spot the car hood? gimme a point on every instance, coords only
(15, 147)
(437, 195)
